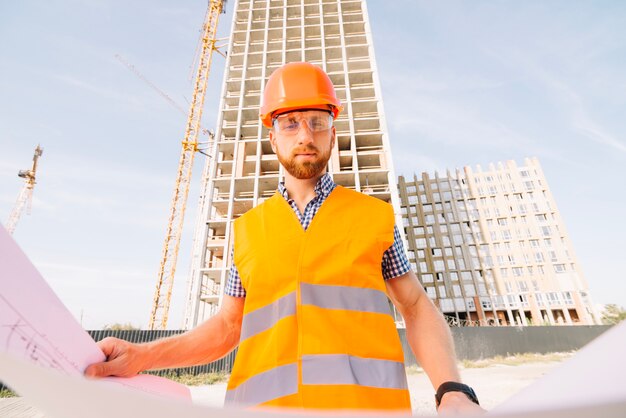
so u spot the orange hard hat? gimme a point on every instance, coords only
(298, 85)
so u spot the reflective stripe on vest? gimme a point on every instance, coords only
(343, 369)
(266, 317)
(345, 297)
(263, 387)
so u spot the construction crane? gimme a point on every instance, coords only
(161, 93)
(165, 281)
(132, 68)
(25, 198)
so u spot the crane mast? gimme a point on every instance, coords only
(165, 282)
(25, 197)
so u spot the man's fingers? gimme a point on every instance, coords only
(97, 370)
(108, 345)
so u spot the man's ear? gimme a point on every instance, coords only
(272, 140)
(333, 138)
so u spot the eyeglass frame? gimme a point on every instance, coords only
(278, 130)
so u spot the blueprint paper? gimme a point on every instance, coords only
(595, 375)
(36, 326)
(61, 396)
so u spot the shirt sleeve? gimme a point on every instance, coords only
(395, 263)
(234, 287)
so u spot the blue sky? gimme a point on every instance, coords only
(463, 83)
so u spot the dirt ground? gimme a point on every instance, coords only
(493, 384)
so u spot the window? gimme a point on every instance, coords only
(559, 268)
(439, 265)
(419, 230)
(504, 272)
(456, 289)
(427, 278)
(553, 257)
(436, 252)
(518, 271)
(451, 264)
(431, 292)
(539, 257)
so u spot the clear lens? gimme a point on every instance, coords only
(290, 123)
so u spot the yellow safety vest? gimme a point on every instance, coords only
(317, 329)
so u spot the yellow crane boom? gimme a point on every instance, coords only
(165, 282)
(25, 197)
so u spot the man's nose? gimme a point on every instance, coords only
(305, 135)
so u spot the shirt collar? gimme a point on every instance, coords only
(324, 186)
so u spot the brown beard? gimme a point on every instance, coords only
(307, 169)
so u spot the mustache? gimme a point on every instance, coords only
(305, 149)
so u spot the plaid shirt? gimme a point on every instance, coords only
(394, 262)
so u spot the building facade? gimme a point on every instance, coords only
(490, 247)
(243, 170)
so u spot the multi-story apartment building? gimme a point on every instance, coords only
(243, 170)
(490, 247)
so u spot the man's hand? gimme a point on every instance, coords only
(122, 359)
(457, 403)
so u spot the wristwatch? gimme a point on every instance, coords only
(455, 387)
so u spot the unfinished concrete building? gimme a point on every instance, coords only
(333, 34)
(490, 247)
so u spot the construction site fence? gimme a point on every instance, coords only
(477, 343)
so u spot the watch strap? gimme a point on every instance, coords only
(455, 387)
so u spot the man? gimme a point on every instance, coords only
(306, 300)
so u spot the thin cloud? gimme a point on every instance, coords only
(580, 119)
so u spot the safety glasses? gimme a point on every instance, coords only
(290, 123)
